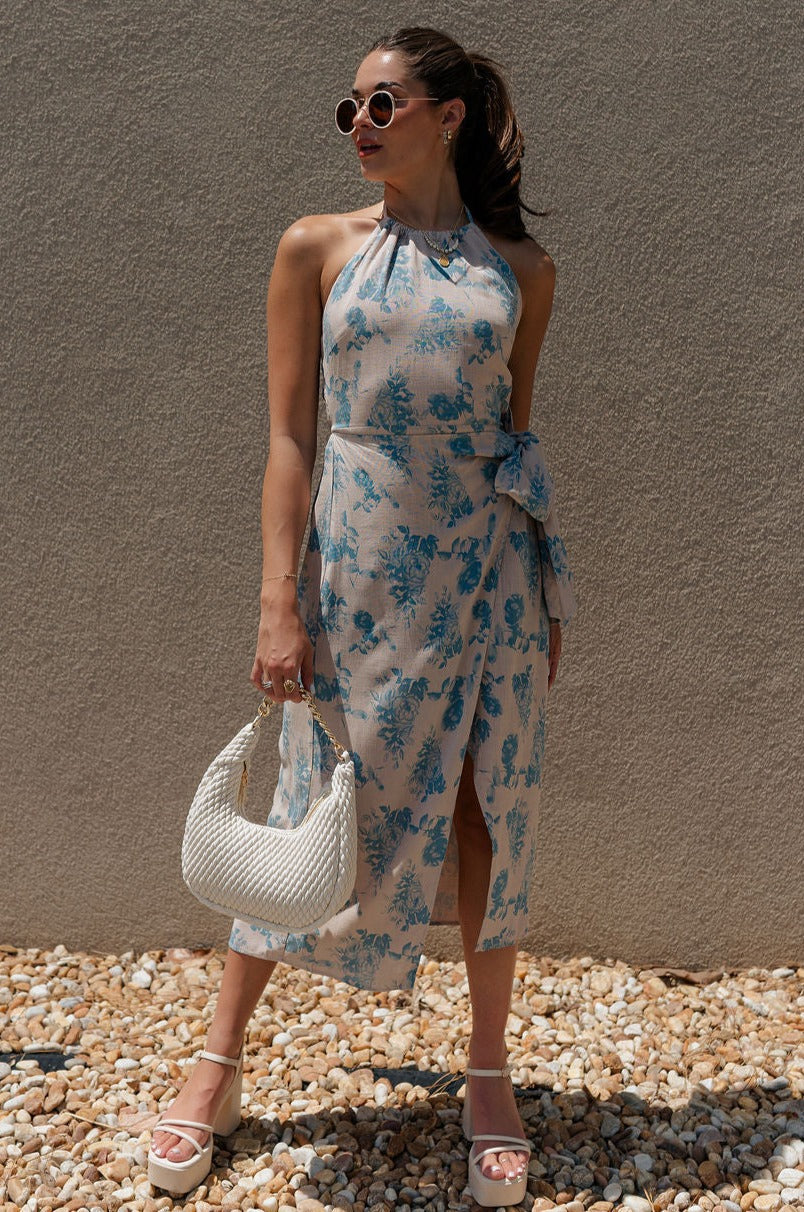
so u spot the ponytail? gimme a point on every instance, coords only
(489, 145)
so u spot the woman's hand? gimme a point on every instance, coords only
(284, 651)
(553, 652)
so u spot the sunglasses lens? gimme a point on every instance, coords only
(345, 112)
(381, 108)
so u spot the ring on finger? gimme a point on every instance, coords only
(289, 685)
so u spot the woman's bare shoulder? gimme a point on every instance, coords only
(534, 267)
(318, 246)
(311, 233)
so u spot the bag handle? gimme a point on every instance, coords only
(265, 707)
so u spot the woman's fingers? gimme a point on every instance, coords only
(259, 677)
(283, 660)
(276, 682)
(306, 671)
(262, 678)
(278, 690)
(554, 653)
(290, 687)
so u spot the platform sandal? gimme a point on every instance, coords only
(180, 1177)
(492, 1192)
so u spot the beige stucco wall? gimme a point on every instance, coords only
(152, 156)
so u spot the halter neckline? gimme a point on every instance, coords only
(385, 217)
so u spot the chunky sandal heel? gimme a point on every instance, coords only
(229, 1115)
(180, 1177)
(492, 1192)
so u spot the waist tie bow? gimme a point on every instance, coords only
(522, 474)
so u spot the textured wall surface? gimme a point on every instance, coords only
(152, 156)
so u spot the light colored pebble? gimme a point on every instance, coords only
(332, 1131)
(789, 1153)
(768, 1202)
(303, 1155)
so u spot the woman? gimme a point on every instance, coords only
(427, 614)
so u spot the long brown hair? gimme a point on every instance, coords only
(489, 145)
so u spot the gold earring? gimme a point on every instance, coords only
(446, 136)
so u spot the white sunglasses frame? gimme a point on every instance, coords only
(366, 101)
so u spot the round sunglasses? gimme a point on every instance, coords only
(380, 107)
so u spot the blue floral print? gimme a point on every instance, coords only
(396, 708)
(438, 329)
(443, 637)
(433, 562)
(488, 342)
(361, 330)
(404, 561)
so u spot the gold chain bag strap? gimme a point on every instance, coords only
(287, 880)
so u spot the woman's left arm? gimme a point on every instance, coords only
(536, 275)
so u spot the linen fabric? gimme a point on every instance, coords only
(433, 562)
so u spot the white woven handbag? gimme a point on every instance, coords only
(288, 880)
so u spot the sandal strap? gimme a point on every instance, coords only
(506, 1072)
(222, 1060)
(185, 1123)
(517, 1140)
(186, 1136)
(499, 1149)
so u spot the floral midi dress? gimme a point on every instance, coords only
(433, 563)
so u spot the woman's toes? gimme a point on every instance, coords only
(508, 1165)
(171, 1148)
(158, 1147)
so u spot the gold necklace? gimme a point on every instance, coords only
(444, 251)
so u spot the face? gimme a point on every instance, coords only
(414, 134)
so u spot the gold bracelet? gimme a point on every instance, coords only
(281, 576)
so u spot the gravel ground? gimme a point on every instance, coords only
(640, 1089)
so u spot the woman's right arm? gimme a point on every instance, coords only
(294, 337)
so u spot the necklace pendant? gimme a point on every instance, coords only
(443, 260)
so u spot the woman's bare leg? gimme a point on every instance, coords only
(242, 984)
(491, 976)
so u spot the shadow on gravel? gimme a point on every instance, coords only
(702, 1154)
(49, 1062)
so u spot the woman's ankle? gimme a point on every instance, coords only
(224, 1042)
(487, 1054)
